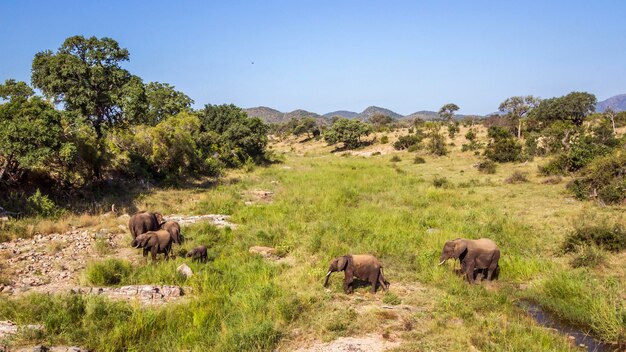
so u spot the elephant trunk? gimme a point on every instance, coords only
(327, 277)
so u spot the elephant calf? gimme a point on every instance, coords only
(154, 242)
(198, 254)
(174, 229)
(363, 266)
(481, 254)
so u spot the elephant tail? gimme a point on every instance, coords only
(381, 279)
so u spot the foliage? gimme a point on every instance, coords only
(384, 139)
(419, 160)
(348, 132)
(588, 256)
(238, 136)
(453, 129)
(108, 272)
(517, 108)
(395, 159)
(503, 147)
(608, 236)
(380, 120)
(441, 182)
(436, 141)
(163, 101)
(41, 205)
(604, 178)
(407, 141)
(581, 153)
(31, 134)
(446, 113)
(473, 143)
(307, 125)
(517, 177)
(487, 167)
(573, 107)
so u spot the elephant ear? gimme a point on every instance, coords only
(342, 263)
(459, 248)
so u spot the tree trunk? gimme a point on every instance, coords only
(613, 123)
(519, 129)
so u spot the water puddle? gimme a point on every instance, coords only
(580, 338)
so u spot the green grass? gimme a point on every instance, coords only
(329, 205)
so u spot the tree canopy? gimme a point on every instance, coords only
(163, 101)
(348, 132)
(573, 107)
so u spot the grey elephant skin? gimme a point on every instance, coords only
(174, 229)
(362, 266)
(155, 242)
(143, 221)
(481, 254)
(198, 254)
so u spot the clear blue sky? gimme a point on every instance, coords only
(329, 55)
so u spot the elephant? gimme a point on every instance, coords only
(474, 255)
(362, 266)
(143, 221)
(155, 242)
(174, 229)
(198, 254)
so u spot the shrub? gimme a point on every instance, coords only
(348, 132)
(395, 159)
(441, 182)
(453, 129)
(553, 180)
(41, 205)
(504, 150)
(108, 272)
(607, 236)
(437, 144)
(517, 177)
(577, 157)
(604, 178)
(487, 167)
(588, 256)
(408, 141)
(419, 160)
(384, 139)
(391, 299)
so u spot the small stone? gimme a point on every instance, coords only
(185, 270)
(432, 230)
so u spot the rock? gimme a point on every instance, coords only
(40, 348)
(266, 252)
(185, 270)
(432, 230)
(124, 217)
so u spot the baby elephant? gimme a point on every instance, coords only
(198, 254)
(363, 266)
(154, 242)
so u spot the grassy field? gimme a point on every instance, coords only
(329, 204)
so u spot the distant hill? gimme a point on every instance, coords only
(298, 114)
(617, 103)
(266, 114)
(423, 114)
(373, 110)
(343, 113)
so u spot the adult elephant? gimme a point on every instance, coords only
(155, 242)
(362, 266)
(143, 221)
(174, 229)
(481, 254)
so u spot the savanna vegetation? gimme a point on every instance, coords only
(563, 243)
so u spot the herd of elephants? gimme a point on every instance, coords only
(479, 258)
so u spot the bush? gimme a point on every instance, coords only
(408, 141)
(487, 167)
(437, 144)
(419, 160)
(391, 299)
(577, 157)
(395, 159)
(588, 256)
(517, 177)
(348, 132)
(552, 180)
(607, 236)
(108, 272)
(384, 139)
(441, 182)
(41, 205)
(604, 178)
(504, 150)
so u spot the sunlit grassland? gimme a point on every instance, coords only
(325, 205)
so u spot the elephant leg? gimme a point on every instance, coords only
(374, 281)
(154, 251)
(347, 284)
(469, 272)
(381, 279)
(491, 271)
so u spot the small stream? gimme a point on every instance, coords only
(581, 338)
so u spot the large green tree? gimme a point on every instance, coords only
(30, 133)
(163, 101)
(573, 108)
(517, 108)
(349, 132)
(86, 76)
(446, 113)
